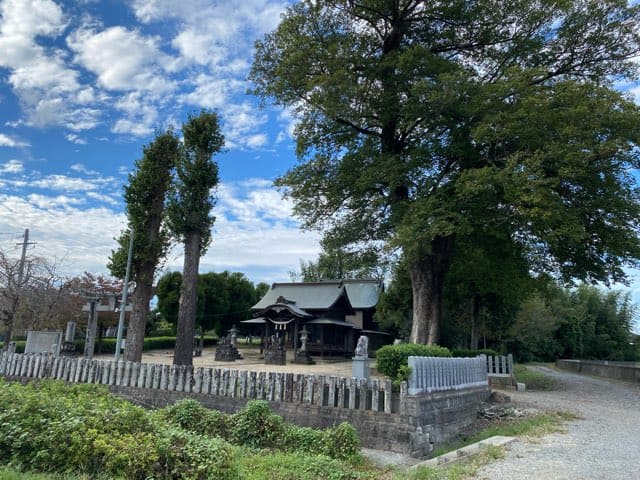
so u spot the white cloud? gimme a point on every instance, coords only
(45, 202)
(70, 184)
(253, 232)
(256, 141)
(50, 93)
(12, 166)
(79, 167)
(73, 138)
(122, 60)
(82, 236)
(7, 141)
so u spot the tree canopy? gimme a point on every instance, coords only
(423, 122)
(145, 207)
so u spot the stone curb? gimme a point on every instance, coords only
(465, 453)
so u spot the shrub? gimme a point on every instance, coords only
(190, 415)
(256, 426)
(341, 442)
(295, 466)
(391, 358)
(189, 456)
(302, 440)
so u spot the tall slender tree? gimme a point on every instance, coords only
(189, 213)
(145, 202)
(422, 121)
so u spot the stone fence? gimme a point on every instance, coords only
(437, 374)
(500, 365)
(396, 421)
(625, 371)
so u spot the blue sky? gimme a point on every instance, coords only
(85, 84)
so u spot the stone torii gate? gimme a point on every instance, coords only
(93, 306)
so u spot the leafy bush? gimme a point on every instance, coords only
(190, 415)
(295, 466)
(391, 358)
(467, 352)
(341, 442)
(256, 426)
(195, 457)
(302, 440)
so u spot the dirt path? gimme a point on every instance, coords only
(603, 444)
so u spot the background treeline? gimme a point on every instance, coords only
(224, 299)
(535, 319)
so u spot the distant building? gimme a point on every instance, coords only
(335, 313)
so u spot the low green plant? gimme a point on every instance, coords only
(257, 426)
(190, 456)
(190, 415)
(296, 466)
(533, 379)
(391, 358)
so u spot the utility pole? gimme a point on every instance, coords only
(25, 243)
(125, 291)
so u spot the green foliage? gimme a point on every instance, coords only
(196, 175)
(466, 352)
(534, 380)
(584, 323)
(341, 442)
(499, 122)
(295, 466)
(190, 415)
(391, 358)
(190, 456)
(224, 299)
(49, 426)
(394, 309)
(256, 426)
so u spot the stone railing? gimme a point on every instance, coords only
(438, 374)
(320, 390)
(500, 365)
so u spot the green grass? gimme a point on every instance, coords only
(534, 380)
(531, 427)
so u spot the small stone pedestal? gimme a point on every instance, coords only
(225, 352)
(275, 356)
(303, 357)
(360, 367)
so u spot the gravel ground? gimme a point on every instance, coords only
(603, 444)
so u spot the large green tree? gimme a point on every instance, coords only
(423, 121)
(190, 219)
(145, 202)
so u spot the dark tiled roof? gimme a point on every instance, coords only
(361, 294)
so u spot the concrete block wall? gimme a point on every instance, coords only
(625, 371)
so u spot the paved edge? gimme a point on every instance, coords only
(463, 454)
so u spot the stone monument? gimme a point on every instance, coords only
(274, 352)
(302, 355)
(227, 350)
(360, 364)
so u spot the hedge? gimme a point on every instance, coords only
(108, 345)
(392, 360)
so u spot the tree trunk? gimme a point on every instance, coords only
(475, 322)
(138, 320)
(427, 283)
(8, 332)
(188, 301)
